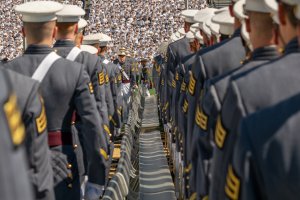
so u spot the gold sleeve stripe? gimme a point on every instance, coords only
(177, 76)
(183, 86)
(107, 130)
(185, 106)
(106, 78)
(104, 154)
(41, 121)
(193, 196)
(13, 115)
(232, 187)
(220, 134)
(91, 88)
(173, 83)
(101, 78)
(192, 85)
(112, 120)
(201, 119)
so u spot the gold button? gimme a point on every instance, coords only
(69, 166)
(72, 123)
(187, 178)
(70, 176)
(75, 146)
(187, 187)
(70, 185)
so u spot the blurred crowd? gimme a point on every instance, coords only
(139, 25)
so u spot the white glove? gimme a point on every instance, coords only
(93, 191)
(83, 185)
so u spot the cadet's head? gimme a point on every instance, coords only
(144, 61)
(39, 21)
(259, 24)
(67, 22)
(79, 36)
(188, 16)
(237, 23)
(297, 14)
(287, 19)
(122, 56)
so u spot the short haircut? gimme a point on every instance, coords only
(39, 31)
(66, 28)
(289, 10)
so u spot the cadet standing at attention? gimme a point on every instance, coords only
(67, 28)
(65, 88)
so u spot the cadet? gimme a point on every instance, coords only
(248, 93)
(67, 28)
(128, 81)
(93, 40)
(210, 105)
(114, 77)
(73, 91)
(145, 72)
(176, 51)
(14, 167)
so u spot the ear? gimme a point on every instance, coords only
(76, 29)
(248, 27)
(281, 14)
(81, 39)
(298, 34)
(23, 32)
(231, 9)
(54, 32)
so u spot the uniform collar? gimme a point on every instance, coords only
(265, 53)
(292, 46)
(64, 43)
(38, 49)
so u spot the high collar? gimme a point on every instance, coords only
(38, 49)
(292, 46)
(265, 53)
(64, 43)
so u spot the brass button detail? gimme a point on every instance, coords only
(69, 166)
(70, 176)
(70, 185)
(75, 146)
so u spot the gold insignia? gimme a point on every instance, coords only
(106, 78)
(232, 187)
(112, 120)
(173, 83)
(166, 106)
(185, 106)
(119, 77)
(162, 82)
(188, 168)
(192, 84)
(119, 111)
(91, 88)
(220, 133)
(205, 198)
(104, 154)
(41, 120)
(14, 120)
(101, 78)
(201, 119)
(183, 86)
(193, 196)
(177, 76)
(107, 130)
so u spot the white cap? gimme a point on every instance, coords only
(206, 26)
(214, 28)
(199, 38)
(291, 2)
(238, 10)
(92, 38)
(256, 6)
(89, 48)
(104, 40)
(189, 15)
(194, 30)
(38, 11)
(190, 36)
(202, 14)
(225, 21)
(196, 26)
(272, 5)
(70, 13)
(181, 31)
(82, 23)
(296, 12)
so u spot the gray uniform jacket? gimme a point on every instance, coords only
(15, 182)
(247, 94)
(266, 156)
(65, 89)
(207, 111)
(36, 141)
